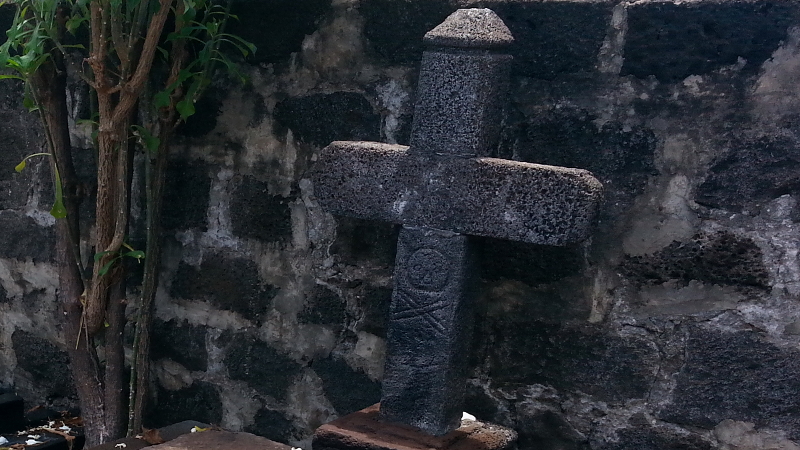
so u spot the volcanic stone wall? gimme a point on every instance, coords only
(675, 327)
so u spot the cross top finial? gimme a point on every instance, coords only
(478, 28)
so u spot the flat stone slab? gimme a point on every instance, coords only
(475, 196)
(220, 440)
(363, 430)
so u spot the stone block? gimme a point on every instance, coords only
(46, 364)
(324, 307)
(739, 376)
(200, 401)
(320, 119)
(12, 413)
(231, 284)
(257, 214)
(430, 322)
(23, 238)
(364, 430)
(218, 439)
(260, 365)
(271, 424)
(654, 438)
(181, 342)
(476, 196)
(347, 389)
(671, 39)
(187, 188)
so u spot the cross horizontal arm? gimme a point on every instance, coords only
(476, 196)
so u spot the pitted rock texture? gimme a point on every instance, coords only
(228, 283)
(672, 40)
(348, 390)
(266, 369)
(325, 307)
(718, 258)
(470, 28)
(187, 188)
(200, 401)
(22, 238)
(654, 438)
(320, 119)
(271, 425)
(46, 365)
(739, 376)
(181, 342)
(482, 196)
(257, 214)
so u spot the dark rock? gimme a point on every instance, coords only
(375, 303)
(752, 171)
(257, 214)
(47, 365)
(394, 29)
(23, 238)
(652, 438)
(182, 343)
(276, 27)
(261, 366)
(478, 403)
(204, 120)
(550, 430)
(200, 401)
(359, 241)
(621, 159)
(481, 196)
(22, 136)
(4, 295)
(231, 284)
(737, 376)
(674, 40)
(271, 425)
(718, 258)
(587, 358)
(530, 263)
(186, 194)
(12, 412)
(320, 119)
(348, 390)
(325, 307)
(552, 39)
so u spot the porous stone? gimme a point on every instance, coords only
(347, 389)
(737, 376)
(470, 28)
(364, 430)
(261, 366)
(232, 284)
(23, 238)
(47, 365)
(271, 425)
(476, 196)
(325, 307)
(181, 342)
(654, 438)
(216, 439)
(257, 214)
(320, 119)
(672, 40)
(187, 186)
(199, 401)
(430, 323)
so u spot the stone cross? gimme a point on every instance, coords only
(442, 189)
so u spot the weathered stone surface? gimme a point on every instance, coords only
(200, 401)
(47, 365)
(320, 119)
(751, 172)
(228, 283)
(181, 342)
(216, 439)
(261, 366)
(348, 390)
(325, 307)
(477, 196)
(23, 238)
(572, 358)
(529, 263)
(654, 438)
(364, 430)
(470, 28)
(257, 214)
(737, 376)
(360, 241)
(672, 40)
(375, 304)
(717, 258)
(548, 429)
(430, 322)
(187, 189)
(394, 29)
(277, 27)
(271, 425)
(459, 102)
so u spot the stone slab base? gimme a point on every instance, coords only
(220, 440)
(363, 430)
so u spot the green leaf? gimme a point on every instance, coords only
(99, 255)
(74, 23)
(138, 254)
(21, 166)
(185, 108)
(12, 77)
(161, 100)
(104, 270)
(58, 210)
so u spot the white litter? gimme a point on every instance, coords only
(121, 445)
(3, 440)
(467, 416)
(33, 442)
